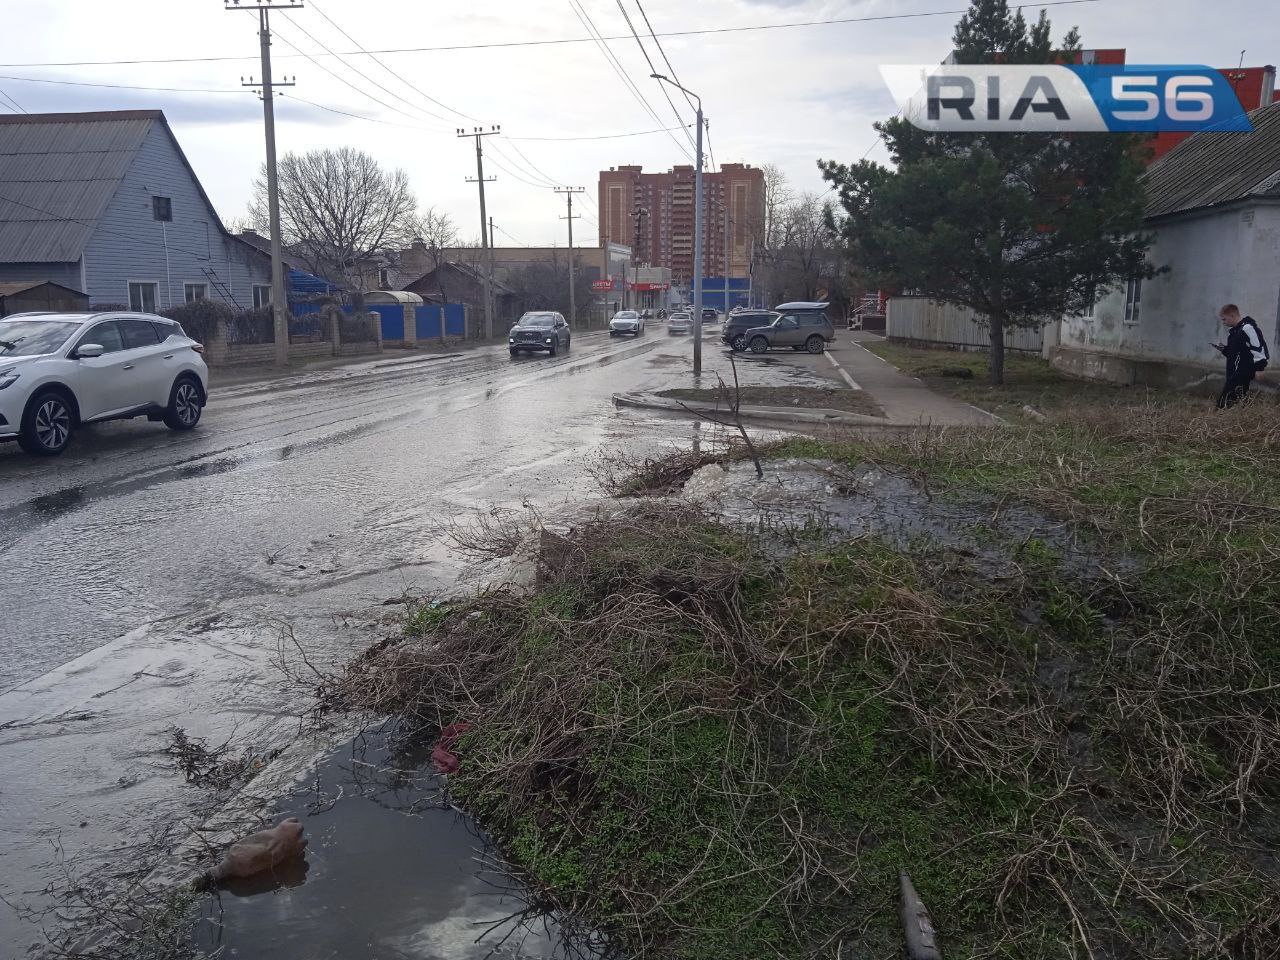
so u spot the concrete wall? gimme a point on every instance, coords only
(128, 244)
(929, 323)
(1228, 256)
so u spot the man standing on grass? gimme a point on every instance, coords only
(1246, 353)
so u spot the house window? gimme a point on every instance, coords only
(384, 278)
(142, 297)
(1133, 300)
(261, 295)
(196, 291)
(162, 209)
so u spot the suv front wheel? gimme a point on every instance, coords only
(184, 409)
(47, 425)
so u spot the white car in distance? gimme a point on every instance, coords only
(61, 370)
(626, 323)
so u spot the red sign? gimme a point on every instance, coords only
(649, 286)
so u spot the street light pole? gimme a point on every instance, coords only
(697, 232)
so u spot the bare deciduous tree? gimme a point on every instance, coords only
(438, 234)
(338, 211)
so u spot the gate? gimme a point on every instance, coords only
(392, 315)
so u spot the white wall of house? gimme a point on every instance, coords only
(1215, 257)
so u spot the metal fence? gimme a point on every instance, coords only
(926, 321)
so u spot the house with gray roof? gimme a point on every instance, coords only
(108, 204)
(1213, 206)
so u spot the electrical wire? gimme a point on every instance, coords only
(416, 89)
(652, 69)
(114, 86)
(604, 136)
(496, 45)
(618, 68)
(387, 90)
(18, 108)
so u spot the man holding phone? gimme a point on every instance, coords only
(1246, 352)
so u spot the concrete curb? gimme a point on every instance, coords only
(651, 401)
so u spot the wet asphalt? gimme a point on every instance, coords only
(150, 579)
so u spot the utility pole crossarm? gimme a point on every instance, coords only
(279, 295)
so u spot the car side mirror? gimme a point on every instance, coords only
(87, 351)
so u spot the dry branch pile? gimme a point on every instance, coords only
(710, 751)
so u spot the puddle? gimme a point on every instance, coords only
(391, 872)
(868, 500)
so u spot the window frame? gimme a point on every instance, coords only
(155, 295)
(186, 292)
(161, 205)
(1133, 301)
(260, 302)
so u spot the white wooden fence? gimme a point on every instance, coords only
(926, 321)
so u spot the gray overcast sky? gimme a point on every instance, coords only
(781, 96)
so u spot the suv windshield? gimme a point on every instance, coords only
(30, 338)
(538, 321)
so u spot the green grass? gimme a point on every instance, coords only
(1029, 380)
(711, 743)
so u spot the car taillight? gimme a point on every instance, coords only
(198, 347)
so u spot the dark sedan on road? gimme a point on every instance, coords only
(541, 331)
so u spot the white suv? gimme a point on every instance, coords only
(626, 321)
(59, 370)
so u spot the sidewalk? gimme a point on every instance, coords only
(904, 399)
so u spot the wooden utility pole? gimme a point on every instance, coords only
(279, 295)
(573, 295)
(478, 133)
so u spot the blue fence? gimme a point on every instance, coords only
(392, 315)
(428, 318)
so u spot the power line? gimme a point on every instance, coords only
(496, 45)
(616, 65)
(361, 73)
(603, 136)
(16, 105)
(665, 59)
(374, 56)
(551, 181)
(115, 86)
(652, 69)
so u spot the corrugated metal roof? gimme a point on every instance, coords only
(1209, 169)
(58, 172)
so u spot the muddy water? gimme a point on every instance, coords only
(391, 872)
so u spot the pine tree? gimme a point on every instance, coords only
(1020, 227)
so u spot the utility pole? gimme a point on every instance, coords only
(279, 296)
(573, 296)
(479, 132)
(697, 232)
(726, 259)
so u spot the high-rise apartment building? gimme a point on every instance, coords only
(653, 213)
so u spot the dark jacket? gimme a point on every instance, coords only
(1245, 351)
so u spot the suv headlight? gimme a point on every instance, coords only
(8, 378)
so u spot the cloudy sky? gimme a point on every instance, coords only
(785, 96)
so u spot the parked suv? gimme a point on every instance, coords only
(538, 331)
(742, 321)
(61, 370)
(800, 326)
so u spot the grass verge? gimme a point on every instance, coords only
(1028, 380)
(717, 743)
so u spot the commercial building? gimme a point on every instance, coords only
(654, 213)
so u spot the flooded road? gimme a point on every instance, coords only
(150, 579)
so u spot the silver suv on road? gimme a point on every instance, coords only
(800, 326)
